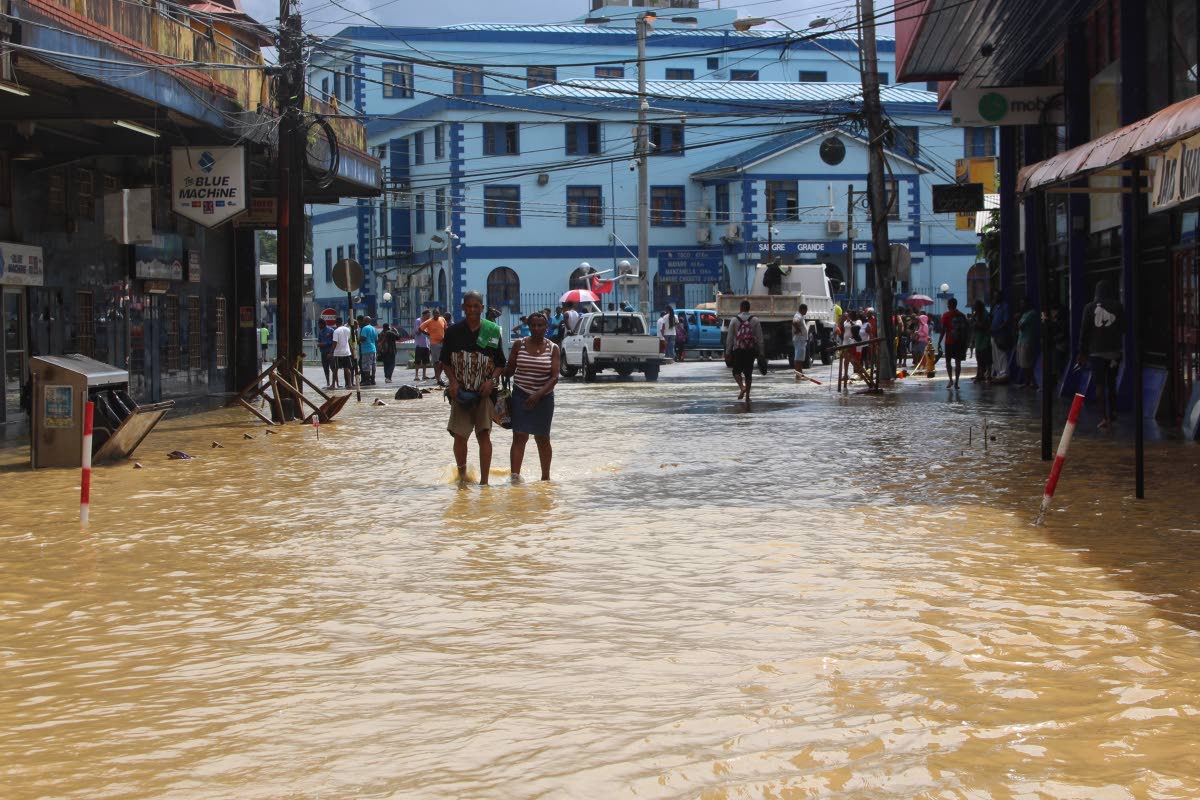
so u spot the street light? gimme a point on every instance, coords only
(746, 23)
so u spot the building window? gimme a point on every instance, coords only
(583, 138)
(171, 323)
(540, 76)
(418, 144)
(783, 201)
(813, 76)
(883, 78)
(85, 194)
(501, 139)
(219, 332)
(743, 74)
(502, 206)
(329, 265)
(195, 340)
(667, 206)
(610, 72)
(504, 289)
(56, 192)
(341, 253)
(419, 213)
(712, 63)
(931, 86)
(979, 142)
(723, 211)
(325, 89)
(352, 252)
(468, 81)
(337, 84)
(398, 80)
(681, 74)
(348, 82)
(893, 198)
(666, 140)
(585, 207)
(85, 324)
(904, 140)
(439, 141)
(439, 209)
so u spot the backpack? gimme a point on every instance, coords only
(958, 329)
(745, 339)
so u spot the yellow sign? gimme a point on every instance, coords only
(977, 170)
(1176, 175)
(964, 221)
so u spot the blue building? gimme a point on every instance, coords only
(509, 152)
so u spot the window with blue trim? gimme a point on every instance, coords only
(666, 140)
(352, 253)
(681, 74)
(723, 209)
(585, 207)
(341, 253)
(583, 138)
(439, 209)
(610, 72)
(325, 89)
(540, 76)
(419, 213)
(667, 205)
(439, 141)
(712, 63)
(501, 139)
(813, 76)
(743, 74)
(783, 201)
(904, 140)
(419, 147)
(883, 79)
(397, 80)
(502, 206)
(979, 142)
(329, 265)
(468, 81)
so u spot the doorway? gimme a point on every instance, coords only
(15, 355)
(1185, 325)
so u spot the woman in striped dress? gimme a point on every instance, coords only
(533, 367)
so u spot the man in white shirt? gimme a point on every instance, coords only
(341, 351)
(800, 338)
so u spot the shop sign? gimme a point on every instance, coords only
(957, 198)
(163, 259)
(1008, 105)
(208, 184)
(262, 213)
(156, 286)
(58, 407)
(21, 264)
(193, 266)
(696, 265)
(246, 317)
(1176, 175)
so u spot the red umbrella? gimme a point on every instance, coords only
(919, 300)
(579, 296)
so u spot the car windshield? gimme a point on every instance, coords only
(617, 324)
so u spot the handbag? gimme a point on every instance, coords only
(502, 409)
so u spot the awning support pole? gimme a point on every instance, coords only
(1039, 211)
(1135, 318)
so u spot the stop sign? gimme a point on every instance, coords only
(329, 315)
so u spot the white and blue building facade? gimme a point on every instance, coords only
(509, 152)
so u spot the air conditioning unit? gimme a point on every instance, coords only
(702, 214)
(733, 231)
(703, 235)
(835, 226)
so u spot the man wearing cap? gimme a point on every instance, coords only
(471, 358)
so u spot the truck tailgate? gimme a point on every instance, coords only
(622, 346)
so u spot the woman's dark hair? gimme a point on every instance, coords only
(535, 314)
(670, 316)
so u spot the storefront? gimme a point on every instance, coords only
(20, 269)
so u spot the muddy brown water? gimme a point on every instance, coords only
(824, 597)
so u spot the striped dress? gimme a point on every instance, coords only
(534, 371)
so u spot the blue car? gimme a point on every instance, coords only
(704, 332)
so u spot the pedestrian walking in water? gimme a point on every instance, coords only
(666, 331)
(1101, 340)
(342, 355)
(743, 347)
(981, 330)
(389, 339)
(471, 358)
(435, 329)
(263, 334)
(1002, 338)
(681, 336)
(956, 329)
(325, 348)
(1027, 342)
(800, 338)
(420, 363)
(533, 367)
(368, 337)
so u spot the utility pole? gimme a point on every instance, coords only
(849, 240)
(877, 194)
(644, 21)
(290, 201)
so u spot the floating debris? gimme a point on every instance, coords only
(247, 436)
(137, 465)
(217, 445)
(378, 402)
(270, 432)
(410, 392)
(178, 455)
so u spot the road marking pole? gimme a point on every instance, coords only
(85, 478)
(1060, 457)
(317, 425)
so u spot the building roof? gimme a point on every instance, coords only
(736, 90)
(754, 33)
(778, 144)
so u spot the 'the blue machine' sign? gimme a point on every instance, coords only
(696, 265)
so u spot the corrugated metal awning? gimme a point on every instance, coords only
(1155, 132)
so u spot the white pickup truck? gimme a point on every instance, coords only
(615, 340)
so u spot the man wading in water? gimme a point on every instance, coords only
(471, 356)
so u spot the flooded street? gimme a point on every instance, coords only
(826, 597)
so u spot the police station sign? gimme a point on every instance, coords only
(208, 184)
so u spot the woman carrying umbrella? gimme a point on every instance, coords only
(533, 367)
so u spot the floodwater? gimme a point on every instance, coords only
(825, 597)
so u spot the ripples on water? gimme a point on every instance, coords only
(826, 597)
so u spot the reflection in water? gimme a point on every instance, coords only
(823, 597)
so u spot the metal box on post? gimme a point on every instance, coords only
(61, 385)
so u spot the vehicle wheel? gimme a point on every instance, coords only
(624, 372)
(651, 372)
(589, 372)
(566, 369)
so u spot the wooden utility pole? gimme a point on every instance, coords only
(290, 201)
(644, 21)
(877, 195)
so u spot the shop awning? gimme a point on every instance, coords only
(1154, 133)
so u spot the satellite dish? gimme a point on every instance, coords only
(348, 275)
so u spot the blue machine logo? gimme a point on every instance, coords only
(207, 162)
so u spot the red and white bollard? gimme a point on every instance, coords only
(85, 479)
(317, 426)
(1060, 457)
